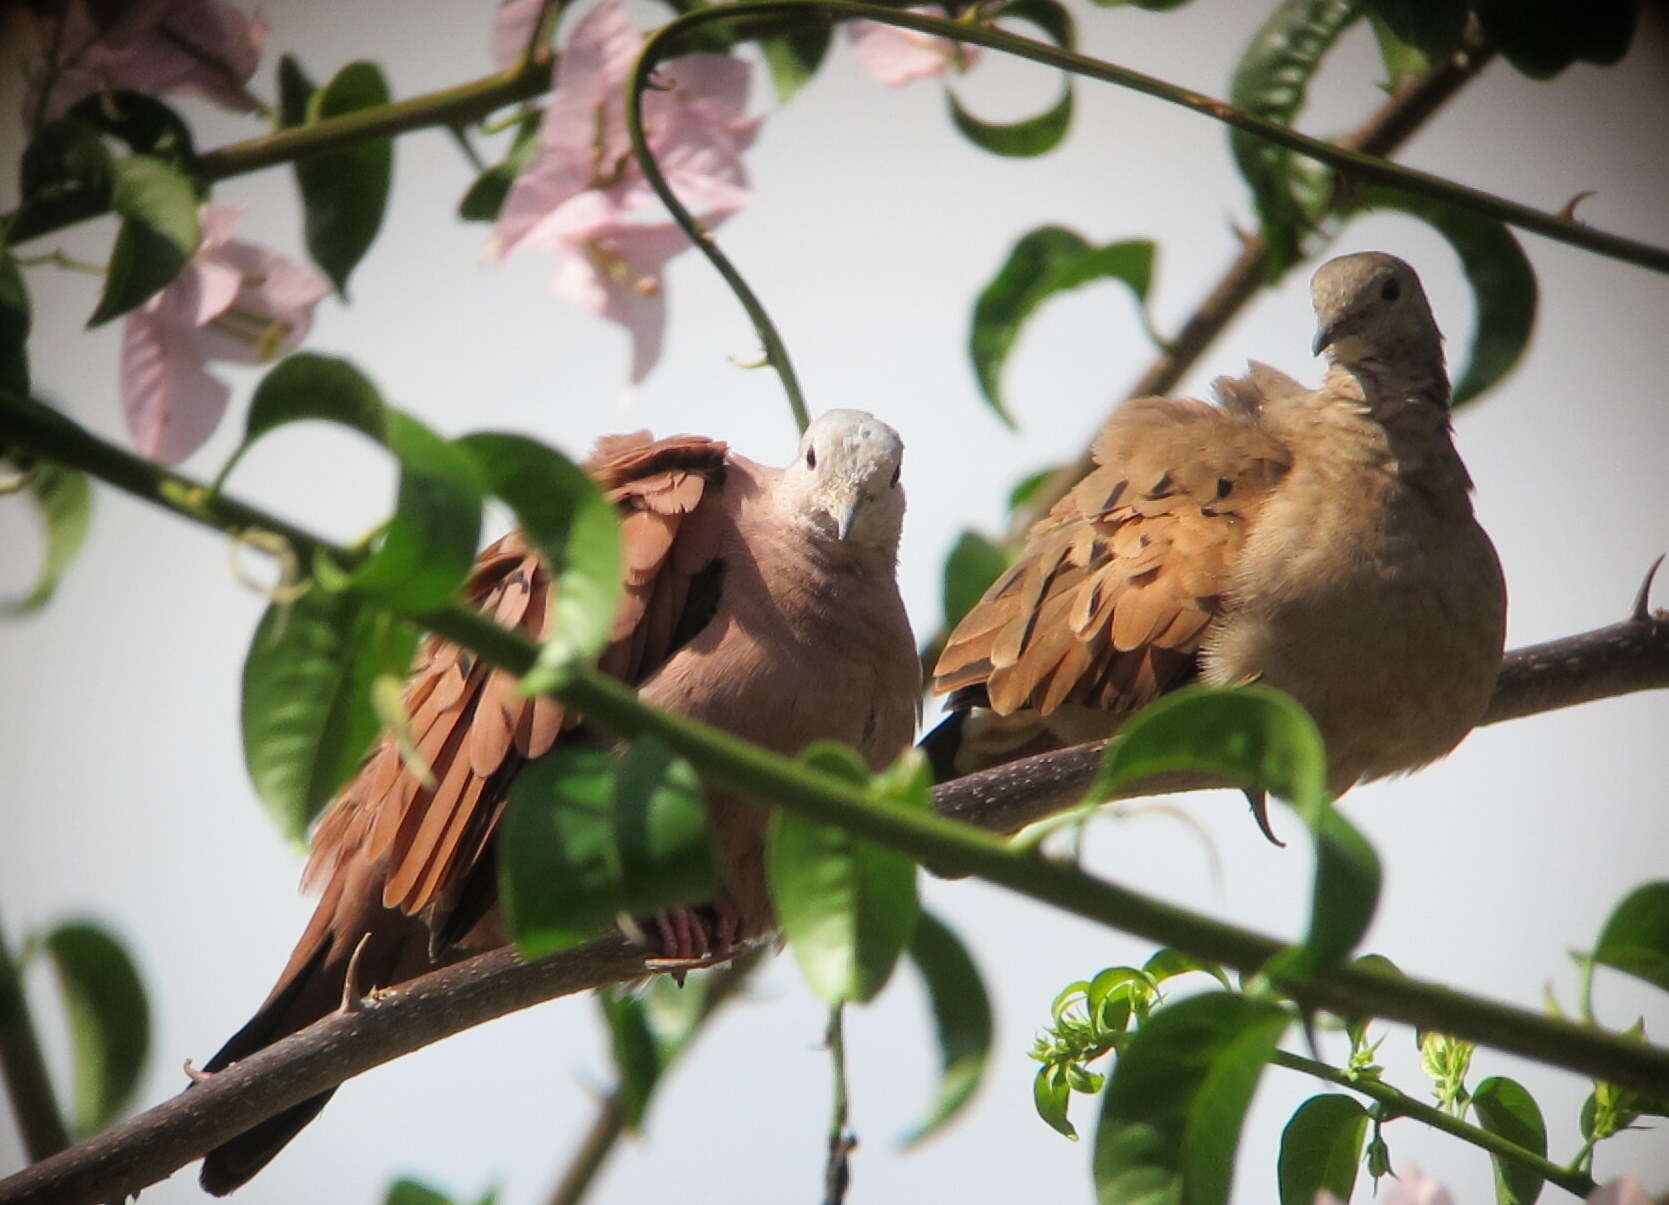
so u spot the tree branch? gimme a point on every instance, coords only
(23, 1068)
(152, 1145)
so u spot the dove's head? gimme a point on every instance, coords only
(844, 481)
(1370, 306)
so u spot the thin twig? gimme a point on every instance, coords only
(837, 1170)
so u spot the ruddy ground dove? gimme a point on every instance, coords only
(760, 600)
(1321, 541)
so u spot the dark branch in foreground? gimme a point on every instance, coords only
(1616, 660)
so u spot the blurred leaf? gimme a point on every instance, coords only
(1289, 191)
(1051, 1095)
(1503, 284)
(973, 564)
(1635, 938)
(1177, 1098)
(1033, 135)
(406, 1191)
(575, 529)
(1047, 261)
(486, 195)
(588, 837)
(1168, 963)
(847, 907)
(308, 717)
(793, 58)
(1433, 27)
(428, 547)
(157, 236)
(1543, 37)
(295, 89)
(1026, 488)
(1155, 6)
(961, 1018)
(1506, 1108)
(145, 124)
(65, 175)
(65, 504)
(1321, 1148)
(1402, 60)
(344, 190)
(648, 1030)
(14, 325)
(109, 1019)
(1259, 737)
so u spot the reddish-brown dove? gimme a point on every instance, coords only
(760, 600)
(1321, 541)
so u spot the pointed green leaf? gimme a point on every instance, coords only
(1168, 963)
(575, 529)
(65, 504)
(1504, 1107)
(648, 1030)
(1403, 60)
(1321, 1148)
(157, 237)
(1026, 488)
(344, 191)
(109, 1019)
(1177, 1098)
(1503, 284)
(793, 58)
(1047, 261)
(406, 1191)
(589, 837)
(486, 195)
(1290, 192)
(308, 717)
(847, 907)
(1051, 1096)
(1636, 936)
(295, 90)
(1033, 135)
(428, 547)
(973, 564)
(1543, 37)
(961, 1019)
(144, 123)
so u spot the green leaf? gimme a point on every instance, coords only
(1047, 261)
(1543, 37)
(973, 564)
(1026, 488)
(1168, 963)
(648, 1030)
(428, 547)
(1506, 1108)
(793, 58)
(144, 123)
(109, 1019)
(486, 195)
(158, 235)
(961, 1019)
(344, 191)
(307, 711)
(1403, 61)
(1289, 191)
(1261, 738)
(65, 504)
(575, 529)
(1177, 1097)
(1033, 135)
(295, 90)
(1051, 1096)
(847, 907)
(1321, 1148)
(15, 321)
(1434, 27)
(406, 1191)
(589, 837)
(65, 176)
(1635, 938)
(1503, 284)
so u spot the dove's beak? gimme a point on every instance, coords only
(1324, 337)
(848, 515)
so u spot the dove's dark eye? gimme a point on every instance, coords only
(1392, 289)
(811, 458)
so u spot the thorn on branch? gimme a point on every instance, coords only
(1642, 612)
(195, 1075)
(1568, 210)
(353, 996)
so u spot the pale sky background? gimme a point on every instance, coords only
(873, 228)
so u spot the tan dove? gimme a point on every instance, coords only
(1319, 541)
(760, 600)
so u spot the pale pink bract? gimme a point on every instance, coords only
(896, 57)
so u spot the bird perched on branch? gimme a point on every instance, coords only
(760, 600)
(1321, 541)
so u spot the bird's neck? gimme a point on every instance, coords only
(1410, 404)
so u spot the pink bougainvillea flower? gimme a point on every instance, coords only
(896, 57)
(584, 197)
(1625, 1190)
(206, 48)
(235, 301)
(512, 28)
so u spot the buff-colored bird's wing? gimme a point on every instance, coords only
(1116, 588)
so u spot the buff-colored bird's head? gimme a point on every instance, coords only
(844, 481)
(1370, 307)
